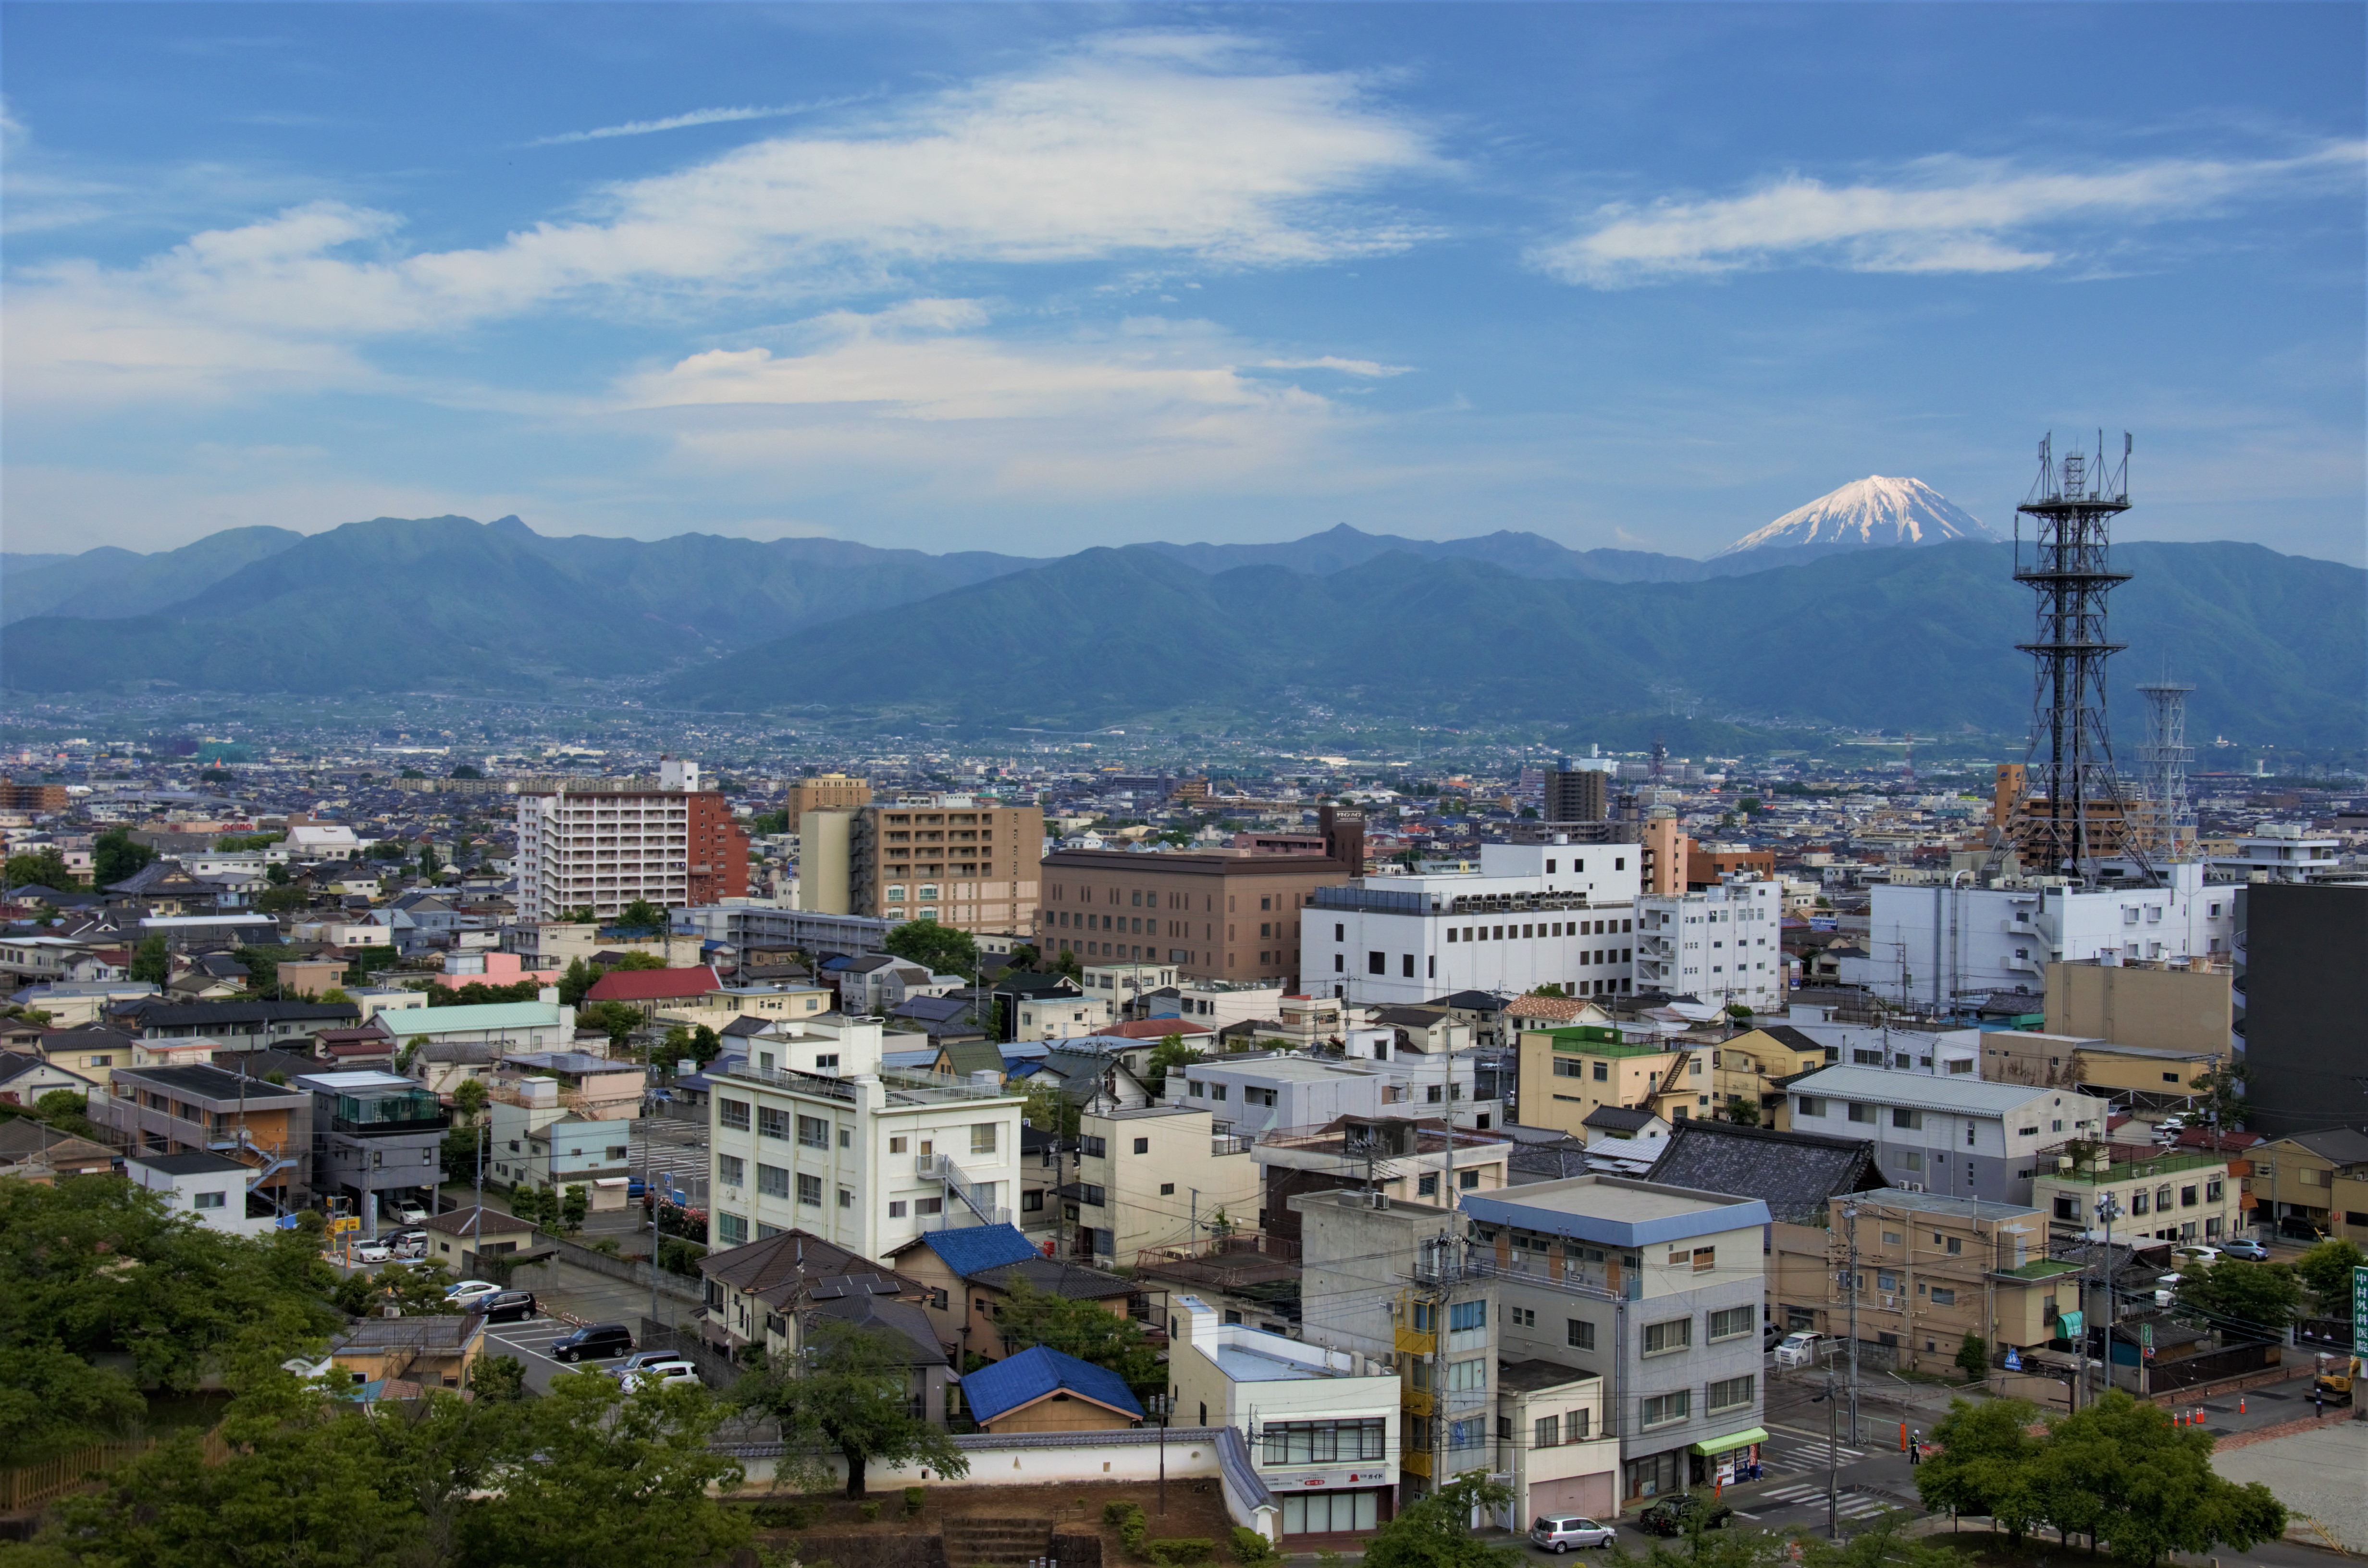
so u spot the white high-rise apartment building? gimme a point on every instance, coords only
(1533, 915)
(1722, 945)
(602, 844)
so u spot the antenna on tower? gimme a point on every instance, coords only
(2082, 819)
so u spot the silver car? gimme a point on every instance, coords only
(1560, 1532)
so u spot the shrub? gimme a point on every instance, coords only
(1251, 1547)
(871, 1510)
(914, 1497)
(1182, 1549)
(786, 1515)
(1132, 1526)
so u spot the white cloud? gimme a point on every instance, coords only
(684, 121)
(1939, 215)
(921, 398)
(1182, 144)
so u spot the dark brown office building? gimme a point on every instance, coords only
(1577, 797)
(1228, 915)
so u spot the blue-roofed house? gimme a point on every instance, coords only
(1041, 1390)
(968, 1273)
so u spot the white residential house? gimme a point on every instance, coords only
(209, 1187)
(1951, 1135)
(813, 1133)
(1530, 914)
(1723, 946)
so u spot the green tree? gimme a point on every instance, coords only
(1066, 963)
(2254, 1301)
(2326, 1270)
(1048, 1110)
(1171, 1052)
(1436, 1532)
(459, 1153)
(498, 1377)
(1972, 1356)
(2121, 1473)
(52, 1400)
(577, 978)
(416, 1289)
(1986, 1463)
(1023, 955)
(940, 950)
(151, 960)
(572, 1206)
(115, 857)
(282, 900)
(1741, 1112)
(848, 1391)
(641, 915)
(2220, 1095)
(68, 1110)
(615, 1020)
(428, 864)
(1087, 1330)
(42, 867)
(276, 874)
(469, 1097)
(262, 969)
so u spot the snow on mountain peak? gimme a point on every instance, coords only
(1865, 513)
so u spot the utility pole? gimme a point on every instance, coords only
(650, 1196)
(1849, 1216)
(1833, 1459)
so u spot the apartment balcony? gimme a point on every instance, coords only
(1223, 1262)
(1452, 1263)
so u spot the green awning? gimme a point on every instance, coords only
(1744, 1439)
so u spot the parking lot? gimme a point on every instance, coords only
(530, 1343)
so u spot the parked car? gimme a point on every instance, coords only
(506, 1306)
(2166, 1290)
(639, 1358)
(592, 1342)
(2249, 1249)
(2295, 1228)
(408, 1249)
(1678, 1515)
(468, 1291)
(410, 1214)
(2197, 1253)
(1797, 1349)
(1560, 1532)
(662, 1374)
(372, 1252)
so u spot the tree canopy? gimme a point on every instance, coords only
(42, 867)
(1436, 1532)
(940, 950)
(2118, 1472)
(1087, 1330)
(115, 857)
(2326, 1270)
(2253, 1300)
(848, 1392)
(151, 961)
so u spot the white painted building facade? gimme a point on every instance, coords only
(1532, 915)
(1723, 946)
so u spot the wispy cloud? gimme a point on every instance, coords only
(1182, 145)
(696, 116)
(1944, 214)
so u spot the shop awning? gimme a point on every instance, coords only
(1742, 1440)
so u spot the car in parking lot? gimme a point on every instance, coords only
(1797, 1348)
(2166, 1289)
(1678, 1515)
(660, 1374)
(2295, 1228)
(506, 1306)
(469, 1290)
(372, 1252)
(2247, 1248)
(1561, 1532)
(410, 1214)
(2195, 1255)
(592, 1342)
(639, 1358)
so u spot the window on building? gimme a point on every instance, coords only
(732, 1170)
(982, 1137)
(772, 1123)
(1944, 1296)
(814, 1132)
(1665, 1409)
(896, 1206)
(732, 1114)
(1467, 1180)
(1467, 1315)
(1902, 1117)
(1811, 1105)
(1323, 1442)
(810, 1191)
(1093, 1146)
(1427, 1185)
(1732, 1322)
(1862, 1112)
(1377, 963)
(1729, 1393)
(208, 1201)
(731, 1230)
(1578, 1333)
(1546, 1432)
(772, 1181)
(1661, 1338)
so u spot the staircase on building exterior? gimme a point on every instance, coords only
(971, 1195)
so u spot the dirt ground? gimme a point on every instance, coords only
(1195, 1508)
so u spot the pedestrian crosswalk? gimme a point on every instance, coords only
(1792, 1451)
(1852, 1504)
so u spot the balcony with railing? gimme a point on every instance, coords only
(1223, 1262)
(1453, 1262)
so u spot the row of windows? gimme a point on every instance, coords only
(1549, 928)
(1323, 1442)
(1137, 898)
(1676, 1407)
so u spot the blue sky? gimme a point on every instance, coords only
(1036, 277)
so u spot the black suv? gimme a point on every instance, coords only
(1678, 1515)
(594, 1342)
(505, 1306)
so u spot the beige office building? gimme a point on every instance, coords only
(824, 792)
(960, 862)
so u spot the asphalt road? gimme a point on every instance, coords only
(529, 1343)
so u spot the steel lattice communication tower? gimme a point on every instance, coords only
(2164, 760)
(2072, 505)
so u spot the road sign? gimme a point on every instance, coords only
(2359, 1309)
(2013, 1359)
(2146, 1340)
(345, 1222)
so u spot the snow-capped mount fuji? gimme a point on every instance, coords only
(1866, 514)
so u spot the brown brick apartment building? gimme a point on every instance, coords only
(962, 863)
(1226, 915)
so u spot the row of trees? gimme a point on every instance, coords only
(2258, 1301)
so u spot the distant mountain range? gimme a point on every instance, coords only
(1504, 625)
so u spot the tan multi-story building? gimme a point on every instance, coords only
(824, 792)
(2167, 1195)
(1221, 916)
(1933, 1268)
(2313, 1183)
(1567, 1073)
(2166, 1006)
(960, 861)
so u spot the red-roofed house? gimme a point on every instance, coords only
(650, 989)
(1160, 1029)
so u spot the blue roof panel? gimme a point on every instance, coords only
(993, 1391)
(969, 1250)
